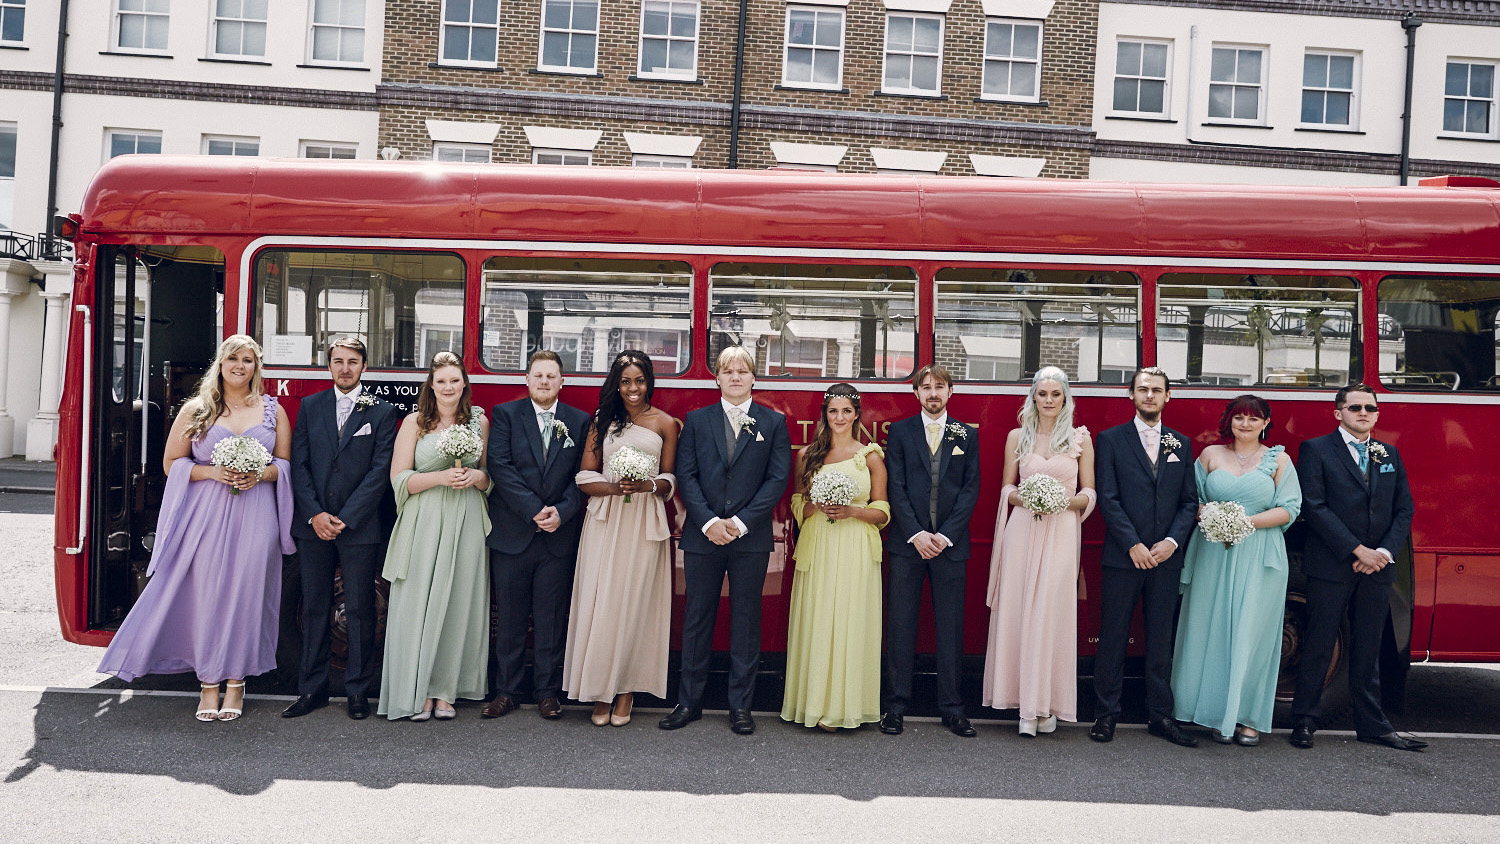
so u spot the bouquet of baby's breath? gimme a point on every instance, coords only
(831, 487)
(630, 463)
(458, 442)
(240, 454)
(1043, 495)
(1224, 521)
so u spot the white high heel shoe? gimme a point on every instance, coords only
(1028, 726)
(1047, 725)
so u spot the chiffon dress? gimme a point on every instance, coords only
(621, 614)
(437, 629)
(833, 637)
(1228, 650)
(214, 598)
(1031, 661)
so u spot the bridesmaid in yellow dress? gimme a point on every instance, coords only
(833, 644)
(621, 613)
(1031, 662)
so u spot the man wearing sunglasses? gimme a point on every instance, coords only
(1356, 500)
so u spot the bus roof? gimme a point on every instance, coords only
(197, 196)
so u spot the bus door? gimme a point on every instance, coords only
(159, 320)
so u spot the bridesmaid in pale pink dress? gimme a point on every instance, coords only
(1031, 662)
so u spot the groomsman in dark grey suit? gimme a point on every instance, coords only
(341, 476)
(534, 449)
(733, 460)
(1356, 500)
(1149, 498)
(933, 466)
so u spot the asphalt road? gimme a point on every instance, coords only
(83, 760)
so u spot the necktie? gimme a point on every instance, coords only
(1364, 456)
(546, 430)
(934, 436)
(1148, 438)
(733, 434)
(345, 407)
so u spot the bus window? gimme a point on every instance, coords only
(1273, 330)
(1439, 333)
(405, 306)
(1005, 323)
(587, 310)
(820, 322)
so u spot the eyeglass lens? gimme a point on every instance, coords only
(1366, 408)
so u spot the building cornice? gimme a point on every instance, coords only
(1470, 12)
(1385, 164)
(169, 89)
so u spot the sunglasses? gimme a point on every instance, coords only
(1362, 408)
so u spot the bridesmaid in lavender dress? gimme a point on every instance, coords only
(1031, 663)
(212, 604)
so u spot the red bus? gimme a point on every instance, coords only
(1288, 292)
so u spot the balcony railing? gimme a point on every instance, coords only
(42, 247)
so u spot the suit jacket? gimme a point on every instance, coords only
(747, 486)
(345, 474)
(1140, 507)
(524, 481)
(1345, 513)
(908, 465)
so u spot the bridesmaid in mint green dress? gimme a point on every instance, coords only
(1228, 648)
(437, 625)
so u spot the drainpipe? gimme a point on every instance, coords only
(739, 79)
(1409, 23)
(57, 93)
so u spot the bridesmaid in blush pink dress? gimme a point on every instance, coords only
(1031, 662)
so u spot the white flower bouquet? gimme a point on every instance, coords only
(630, 463)
(831, 487)
(240, 454)
(1224, 521)
(1043, 495)
(458, 442)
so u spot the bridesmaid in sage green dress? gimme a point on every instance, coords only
(437, 625)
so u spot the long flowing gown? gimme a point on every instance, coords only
(1228, 648)
(833, 638)
(621, 614)
(437, 629)
(214, 598)
(1031, 661)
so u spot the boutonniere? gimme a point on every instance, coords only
(560, 429)
(1170, 443)
(747, 423)
(957, 431)
(1377, 452)
(365, 400)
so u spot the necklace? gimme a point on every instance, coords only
(1245, 458)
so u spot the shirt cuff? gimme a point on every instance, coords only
(740, 525)
(946, 541)
(913, 537)
(1389, 557)
(708, 524)
(1171, 540)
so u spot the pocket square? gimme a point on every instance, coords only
(364, 429)
(759, 438)
(1386, 467)
(1172, 458)
(957, 451)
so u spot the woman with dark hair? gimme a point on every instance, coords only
(1229, 632)
(621, 614)
(833, 642)
(437, 628)
(212, 604)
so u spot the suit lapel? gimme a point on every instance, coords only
(744, 437)
(945, 448)
(1140, 452)
(1342, 450)
(533, 433)
(355, 421)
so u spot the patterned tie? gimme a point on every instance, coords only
(934, 436)
(1364, 456)
(1148, 437)
(345, 407)
(546, 430)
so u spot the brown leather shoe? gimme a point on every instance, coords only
(501, 705)
(549, 708)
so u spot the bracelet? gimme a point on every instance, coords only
(653, 486)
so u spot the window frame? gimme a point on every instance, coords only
(1431, 380)
(1166, 79)
(117, 30)
(660, 161)
(312, 31)
(1493, 101)
(669, 39)
(332, 146)
(8, 10)
(1352, 91)
(234, 141)
(444, 25)
(912, 55)
(563, 154)
(1261, 85)
(813, 47)
(215, 19)
(985, 60)
(596, 32)
(440, 147)
(111, 133)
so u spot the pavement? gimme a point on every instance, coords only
(19, 476)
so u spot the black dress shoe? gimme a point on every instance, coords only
(679, 718)
(305, 704)
(1302, 736)
(892, 723)
(359, 707)
(740, 722)
(1395, 741)
(499, 705)
(959, 726)
(1167, 728)
(1103, 729)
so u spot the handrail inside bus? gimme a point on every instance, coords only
(86, 438)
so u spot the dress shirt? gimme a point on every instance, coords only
(1140, 430)
(344, 403)
(941, 420)
(545, 429)
(729, 412)
(1349, 441)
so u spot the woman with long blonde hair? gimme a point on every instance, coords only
(212, 603)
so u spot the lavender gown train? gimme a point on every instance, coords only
(213, 602)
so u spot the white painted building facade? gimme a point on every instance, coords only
(290, 78)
